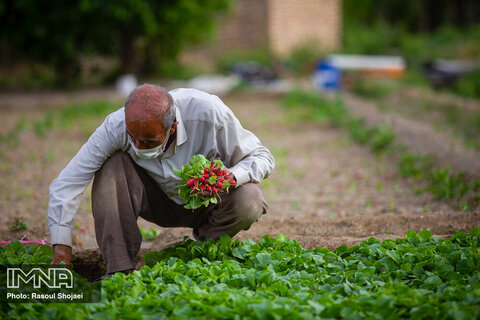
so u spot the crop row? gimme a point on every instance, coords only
(416, 277)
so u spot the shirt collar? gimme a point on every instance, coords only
(180, 132)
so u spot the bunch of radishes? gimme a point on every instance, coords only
(211, 179)
(202, 180)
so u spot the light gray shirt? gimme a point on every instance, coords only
(205, 126)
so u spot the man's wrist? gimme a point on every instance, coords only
(241, 175)
(59, 245)
(61, 235)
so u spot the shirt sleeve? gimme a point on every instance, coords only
(242, 152)
(66, 190)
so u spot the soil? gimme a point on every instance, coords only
(422, 137)
(326, 191)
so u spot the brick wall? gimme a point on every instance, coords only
(245, 27)
(295, 22)
(280, 24)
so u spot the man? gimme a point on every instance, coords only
(131, 157)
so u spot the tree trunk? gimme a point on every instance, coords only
(129, 53)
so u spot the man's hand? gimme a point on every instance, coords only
(61, 253)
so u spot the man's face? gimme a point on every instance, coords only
(146, 133)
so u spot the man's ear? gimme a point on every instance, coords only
(174, 127)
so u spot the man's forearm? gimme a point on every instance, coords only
(255, 167)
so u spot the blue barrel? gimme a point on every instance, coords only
(326, 77)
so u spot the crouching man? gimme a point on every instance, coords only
(131, 157)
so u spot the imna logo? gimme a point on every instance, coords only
(54, 278)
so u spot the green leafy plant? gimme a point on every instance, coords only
(15, 254)
(413, 165)
(416, 277)
(18, 224)
(202, 180)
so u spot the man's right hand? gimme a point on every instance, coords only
(61, 253)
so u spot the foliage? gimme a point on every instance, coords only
(303, 58)
(200, 176)
(468, 85)
(227, 60)
(15, 254)
(413, 165)
(18, 224)
(416, 277)
(143, 33)
(452, 186)
(425, 16)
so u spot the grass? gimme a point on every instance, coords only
(458, 189)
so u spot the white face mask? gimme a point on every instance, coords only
(149, 153)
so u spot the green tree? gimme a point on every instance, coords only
(148, 33)
(143, 33)
(46, 31)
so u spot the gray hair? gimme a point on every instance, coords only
(154, 105)
(170, 115)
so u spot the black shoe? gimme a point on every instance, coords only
(196, 236)
(105, 276)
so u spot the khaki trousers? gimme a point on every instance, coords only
(122, 191)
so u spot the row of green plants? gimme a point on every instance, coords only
(416, 277)
(457, 188)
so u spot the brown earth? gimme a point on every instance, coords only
(326, 191)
